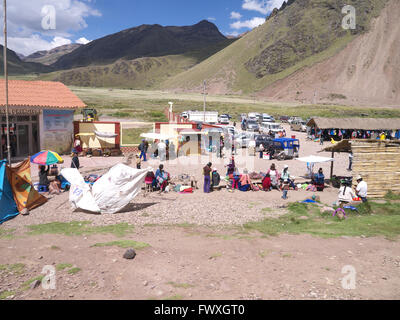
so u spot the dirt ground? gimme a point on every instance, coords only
(197, 247)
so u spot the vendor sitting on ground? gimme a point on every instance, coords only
(319, 178)
(274, 175)
(245, 181)
(215, 179)
(346, 194)
(266, 182)
(43, 173)
(285, 176)
(162, 178)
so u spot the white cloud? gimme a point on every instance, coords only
(25, 32)
(28, 45)
(211, 19)
(232, 34)
(249, 24)
(82, 40)
(261, 6)
(235, 15)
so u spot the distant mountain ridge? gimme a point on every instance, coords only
(16, 66)
(48, 57)
(143, 41)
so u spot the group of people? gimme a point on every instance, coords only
(273, 179)
(347, 194)
(328, 134)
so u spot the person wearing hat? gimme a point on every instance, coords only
(362, 189)
(285, 175)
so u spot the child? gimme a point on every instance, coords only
(285, 189)
(75, 160)
(138, 162)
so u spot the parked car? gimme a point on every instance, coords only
(284, 119)
(223, 119)
(242, 139)
(298, 126)
(267, 118)
(226, 115)
(272, 127)
(292, 119)
(252, 125)
(263, 139)
(286, 148)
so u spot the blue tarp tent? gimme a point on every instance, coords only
(8, 207)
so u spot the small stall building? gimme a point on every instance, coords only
(378, 163)
(346, 128)
(41, 115)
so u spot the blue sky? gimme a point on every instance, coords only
(85, 20)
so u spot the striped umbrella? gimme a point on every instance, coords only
(46, 158)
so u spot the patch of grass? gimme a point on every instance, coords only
(392, 196)
(123, 244)
(132, 136)
(26, 285)
(215, 255)
(16, 268)
(180, 285)
(78, 228)
(6, 233)
(5, 294)
(264, 253)
(55, 248)
(287, 255)
(74, 270)
(373, 219)
(62, 266)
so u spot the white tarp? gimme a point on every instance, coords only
(105, 135)
(315, 159)
(110, 194)
(80, 195)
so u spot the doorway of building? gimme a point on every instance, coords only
(24, 136)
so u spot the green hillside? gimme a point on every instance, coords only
(301, 34)
(141, 73)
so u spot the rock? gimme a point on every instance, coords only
(35, 284)
(40, 257)
(25, 212)
(303, 218)
(145, 283)
(129, 254)
(328, 209)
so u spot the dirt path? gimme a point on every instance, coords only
(202, 263)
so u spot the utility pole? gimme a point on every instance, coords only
(6, 81)
(204, 93)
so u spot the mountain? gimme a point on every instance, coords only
(48, 57)
(16, 66)
(301, 34)
(142, 41)
(366, 72)
(140, 73)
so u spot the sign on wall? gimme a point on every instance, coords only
(58, 130)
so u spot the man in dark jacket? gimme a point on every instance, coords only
(215, 179)
(75, 161)
(143, 149)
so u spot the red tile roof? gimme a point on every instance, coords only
(40, 94)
